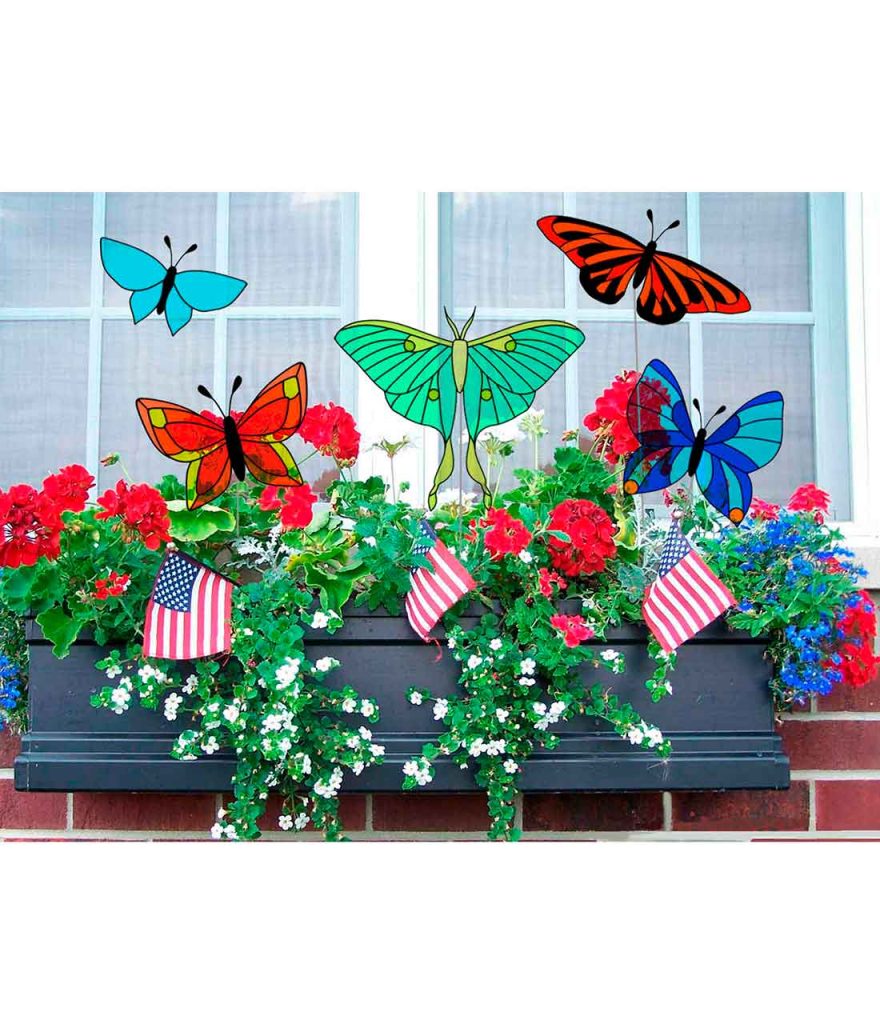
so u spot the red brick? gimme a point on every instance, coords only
(31, 810)
(430, 812)
(352, 813)
(758, 810)
(10, 744)
(853, 698)
(848, 804)
(839, 744)
(143, 811)
(592, 812)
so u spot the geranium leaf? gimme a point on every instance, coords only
(198, 524)
(60, 629)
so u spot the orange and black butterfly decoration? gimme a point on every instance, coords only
(610, 261)
(215, 447)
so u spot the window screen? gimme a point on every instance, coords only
(73, 362)
(784, 249)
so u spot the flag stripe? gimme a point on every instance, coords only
(434, 591)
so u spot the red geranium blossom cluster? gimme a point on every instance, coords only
(295, 506)
(30, 520)
(573, 629)
(807, 498)
(591, 533)
(142, 512)
(608, 419)
(547, 580)
(113, 585)
(858, 664)
(505, 535)
(332, 430)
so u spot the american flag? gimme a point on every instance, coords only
(686, 596)
(434, 591)
(188, 614)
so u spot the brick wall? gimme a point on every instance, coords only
(835, 794)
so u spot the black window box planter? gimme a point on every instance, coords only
(719, 719)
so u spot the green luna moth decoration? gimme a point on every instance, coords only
(423, 375)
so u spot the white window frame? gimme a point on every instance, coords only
(402, 274)
(96, 312)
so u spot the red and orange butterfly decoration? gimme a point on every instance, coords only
(215, 447)
(610, 261)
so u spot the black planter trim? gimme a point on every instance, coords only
(719, 719)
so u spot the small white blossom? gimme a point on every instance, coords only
(365, 733)
(368, 708)
(286, 674)
(320, 621)
(172, 704)
(349, 705)
(539, 708)
(527, 666)
(525, 556)
(192, 682)
(510, 766)
(474, 661)
(415, 698)
(377, 750)
(285, 822)
(326, 664)
(420, 770)
(217, 831)
(231, 713)
(527, 681)
(496, 643)
(357, 767)
(353, 742)
(211, 746)
(113, 671)
(450, 643)
(301, 820)
(441, 709)
(502, 714)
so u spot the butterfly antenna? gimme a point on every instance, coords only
(202, 390)
(718, 412)
(236, 384)
(699, 410)
(192, 248)
(674, 224)
(464, 329)
(451, 323)
(650, 214)
(167, 242)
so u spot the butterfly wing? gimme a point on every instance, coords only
(521, 359)
(658, 417)
(272, 418)
(187, 436)
(606, 258)
(205, 290)
(136, 271)
(674, 286)
(749, 439)
(177, 313)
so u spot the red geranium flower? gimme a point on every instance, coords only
(269, 500)
(763, 510)
(608, 419)
(142, 510)
(296, 512)
(332, 430)
(113, 585)
(547, 580)
(30, 527)
(810, 498)
(68, 489)
(573, 629)
(505, 534)
(858, 664)
(591, 531)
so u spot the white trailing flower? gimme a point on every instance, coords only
(300, 821)
(287, 672)
(377, 750)
(496, 643)
(326, 664)
(349, 705)
(285, 822)
(527, 680)
(211, 746)
(415, 698)
(113, 671)
(217, 830)
(525, 556)
(368, 708)
(231, 712)
(510, 766)
(192, 682)
(450, 643)
(365, 733)
(419, 769)
(441, 709)
(474, 661)
(502, 714)
(527, 666)
(172, 704)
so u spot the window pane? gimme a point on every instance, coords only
(260, 349)
(760, 242)
(143, 218)
(45, 257)
(625, 211)
(145, 362)
(499, 257)
(287, 246)
(43, 399)
(740, 362)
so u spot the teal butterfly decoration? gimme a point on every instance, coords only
(167, 290)
(423, 376)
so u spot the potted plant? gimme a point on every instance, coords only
(543, 677)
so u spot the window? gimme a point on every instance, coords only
(73, 362)
(784, 249)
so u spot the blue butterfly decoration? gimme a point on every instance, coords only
(722, 461)
(166, 289)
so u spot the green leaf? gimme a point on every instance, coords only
(198, 524)
(31, 588)
(60, 629)
(335, 587)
